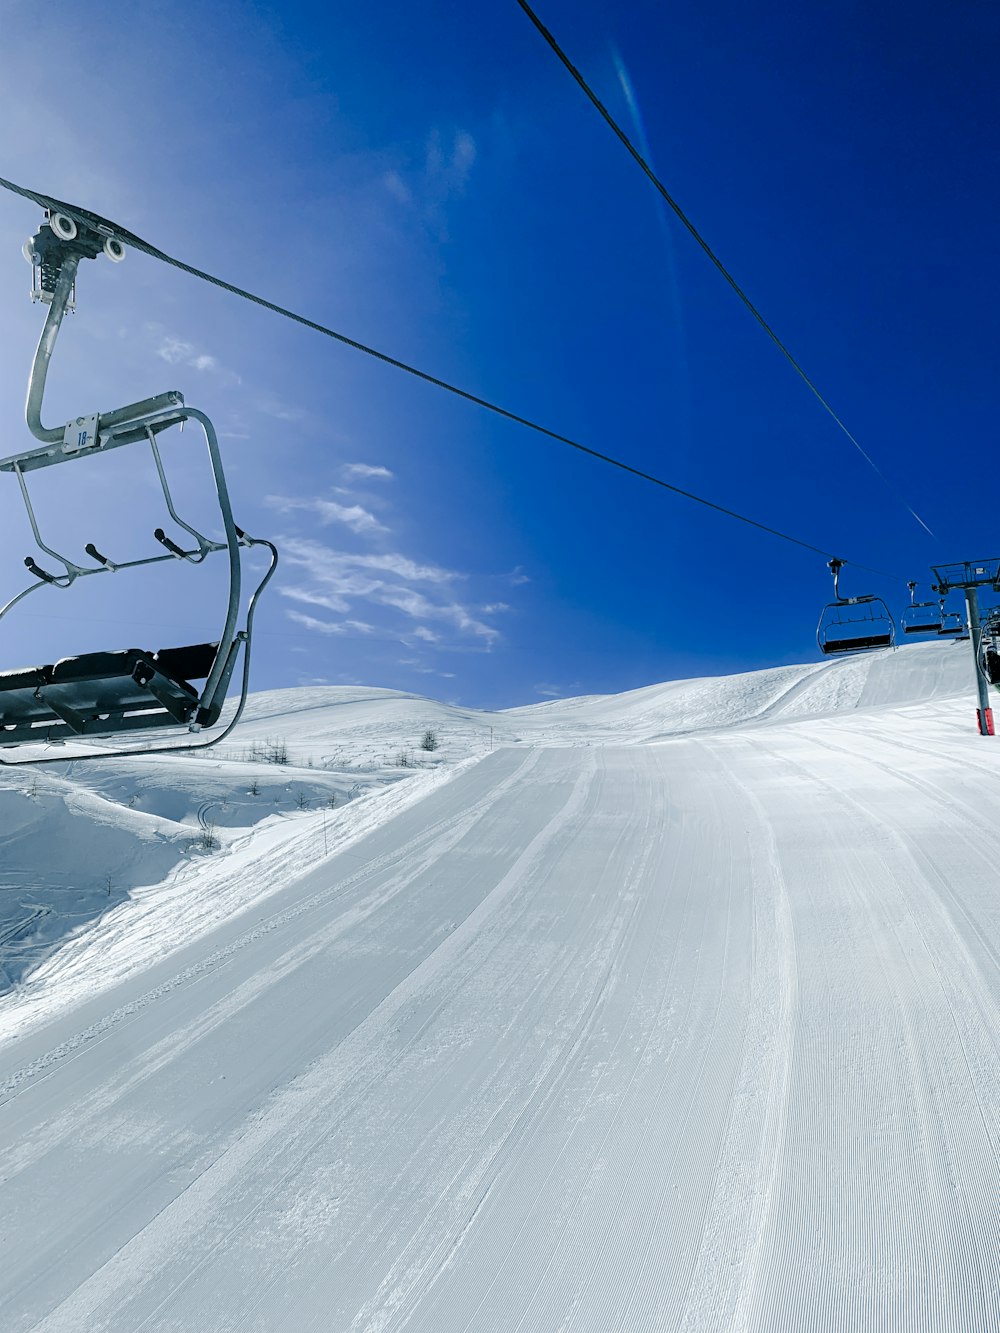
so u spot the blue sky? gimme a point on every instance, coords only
(427, 179)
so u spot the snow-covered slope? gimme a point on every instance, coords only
(78, 840)
(907, 675)
(678, 1010)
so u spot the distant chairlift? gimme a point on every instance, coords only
(953, 626)
(853, 624)
(132, 690)
(923, 617)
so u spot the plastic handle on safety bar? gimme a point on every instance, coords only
(38, 571)
(95, 554)
(171, 546)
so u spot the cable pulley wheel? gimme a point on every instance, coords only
(64, 227)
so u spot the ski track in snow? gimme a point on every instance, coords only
(680, 1013)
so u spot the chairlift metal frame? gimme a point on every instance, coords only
(105, 694)
(853, 611)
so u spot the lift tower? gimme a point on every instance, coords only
(971, 575)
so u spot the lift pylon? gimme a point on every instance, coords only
(970, 576)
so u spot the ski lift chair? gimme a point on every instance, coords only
(989, 648)
(853, 624)
(953, 626)
(990, 663)
(134, 690)
(922, 617)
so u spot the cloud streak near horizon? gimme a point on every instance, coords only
(373, 591)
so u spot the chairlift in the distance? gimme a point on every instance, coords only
(989, 648)
(923, 617)
(953, 626)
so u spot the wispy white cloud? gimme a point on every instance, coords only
(548, 691)
(335, 565)
(355, 517)
(331, 627)
(180, 352)
(364, 471)
(337, 579)
(422, 669)
(174, 351)
(419, 607)
(328, 601)
(448, 163)
(270, 406)
(427, 186)
(404, 568)
(397, 187)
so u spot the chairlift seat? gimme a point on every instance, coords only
(18, 703)
(101, 694)
(25, 678)
(832, 646)
(932, 628)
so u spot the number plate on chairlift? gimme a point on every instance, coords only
(80, 433)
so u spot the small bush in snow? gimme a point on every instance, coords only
(207, 839)
(270, 751)
(430, 740)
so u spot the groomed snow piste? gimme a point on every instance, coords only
(678, 1009)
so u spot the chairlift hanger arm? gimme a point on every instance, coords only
(835, 566)
(43, 353)
(60, 299)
